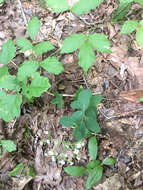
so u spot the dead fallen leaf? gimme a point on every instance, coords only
(132, 95)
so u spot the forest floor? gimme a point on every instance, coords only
(42, 143)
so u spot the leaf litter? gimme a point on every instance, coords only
(40, 140)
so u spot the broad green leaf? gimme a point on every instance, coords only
(92, 124)
(75, 105)
(43, 47)
(33, 27)
(75, 171)
(9, 82)
(129, 26)
(77, 92)
(66, 121)
(126, 1)
(1, 1)
(16, 170)
(100, 42)
(91, 112)
(94, 176)
(79, 132)
(3, 71)
(38, 85)
(84, 99)
(141, 22)
(92, 164)
(82, 6)
(58, 100)
(95, 100)
(139, 1)
(58, 5)
(139, 36)
(93, 147)
(86, 56)
(73, 42)
(77, 117)
(8, 145)
(141, 99)
(26, 69)
(121, 11)
(109, 161)
(24, 44)
(10, 106)
(8, 52)
(52, 65)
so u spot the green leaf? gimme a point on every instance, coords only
(77, 92)
(16, 170)
(52, 65)
(141, 99)
(121, 11)
(79, 132)
(38, 85)
(33, 27)
(82, 6)
(9, 82)
(43, 47)
(95, 100)
(26, 69)
(3, 71)
(58, 100)
(92, 124)
(93, 148)
(66, 121)
(86, 56)
(10, 106)
(77, 117)
(1, 1)
(32, 171)
(75, 105)
(8, 52)
(8, 145)
(75, 171)
(139, 36)
(100, 42)
(84, 95)
(94, 176)
(139, 1)
(91, 112)
(109, 161)
(24, 44)
(92, 164)
(126, 1)
(73, 42)
(129, 26)
(58, 5)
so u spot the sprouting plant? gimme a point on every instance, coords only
(84, 120)
(94, 168)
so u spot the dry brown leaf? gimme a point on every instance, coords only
(132, 95)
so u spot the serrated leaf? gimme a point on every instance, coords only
(9, 82)
(121, 11)
(94, 176)
(8, 145)
(93, 147)
(33, 27)
(10, 106)
(92, 164)
(73, 42)
(139, 36)
(75, 171)
(129, 26)
(100, 42)
(38, 85)
(8, 52)
(79, 131)
(16, 170)
(24, 44)
(82, 6)
(58, 5)
(109, 161)
(86, 56)
(43, 47)
(26, 69)
(66, 121)
(58, 100)
(95, 100)
(52, 65)
(84, 95)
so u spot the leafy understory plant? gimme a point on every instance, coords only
(131, 25)
(94, 168)
(27, 82)
(84, 120)
(8, 145)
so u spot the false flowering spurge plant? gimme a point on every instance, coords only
(84, 120)
(27, 82)
(94, 168)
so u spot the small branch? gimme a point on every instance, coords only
(85, 81)
(23, 14)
